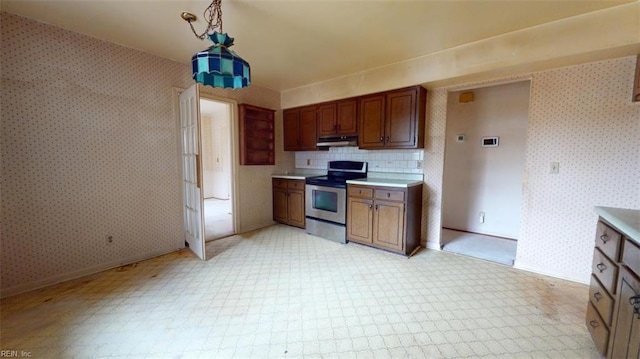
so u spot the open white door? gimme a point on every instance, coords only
(191, 174)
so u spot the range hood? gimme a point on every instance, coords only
(336, 141)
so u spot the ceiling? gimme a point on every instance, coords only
(294, 43)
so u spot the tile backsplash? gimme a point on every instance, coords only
(397, 161)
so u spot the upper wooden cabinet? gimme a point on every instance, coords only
(256, 135)
(308, 136)
(393, 119)
(636, 87)
(300, 129)
(337, 118)
(291, 125)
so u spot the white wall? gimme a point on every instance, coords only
(486, 179)
(216, 150)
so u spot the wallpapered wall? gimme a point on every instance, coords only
(582, 117)
(89, 149)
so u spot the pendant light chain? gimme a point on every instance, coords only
(213, 14)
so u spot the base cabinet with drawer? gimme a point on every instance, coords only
(385, 217)
(613, 311)
(288, 201)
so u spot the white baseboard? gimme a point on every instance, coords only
(7, 292)
(573, 277)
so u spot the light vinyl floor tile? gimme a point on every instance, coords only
(280, 293)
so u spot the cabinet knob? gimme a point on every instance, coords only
(594, 324)
(601, 266)
(370, 206)
(604, 238)
(597, 296)
(387, 139)
(381, 138)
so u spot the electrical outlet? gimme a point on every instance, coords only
(554, 168)
(308, 162)
(481, 217)
(418, 164)
(109, 239)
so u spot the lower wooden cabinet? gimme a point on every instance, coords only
(385, 217)
(626, 341)
(288, 202)
(613, 311)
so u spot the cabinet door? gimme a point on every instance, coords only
(280, 205)
(360, 220)
(291, 125)
(296, 208)
(400, 127)
(626, 342)
(371, 113)
(346, 117)
(327, 125)
(388, 225)
(308, 137)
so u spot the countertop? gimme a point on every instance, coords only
(386, 182)
(295, 176)
(626, 220)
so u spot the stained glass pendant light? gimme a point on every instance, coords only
(217, 66)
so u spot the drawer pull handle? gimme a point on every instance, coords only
(594, 324)
(601, 266)
(604, 238)
(388, 194)
(597, 296)
(635, 302)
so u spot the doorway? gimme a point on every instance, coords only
(215, 137)
(485, 145)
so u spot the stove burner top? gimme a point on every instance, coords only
(338, 174)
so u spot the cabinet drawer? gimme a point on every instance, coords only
(279, 183)
(601, 300)
(608, 240)
(599, 332)
(362, 192)
(295, 184)
(605, 270)
(390, 195)
(631, 256)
